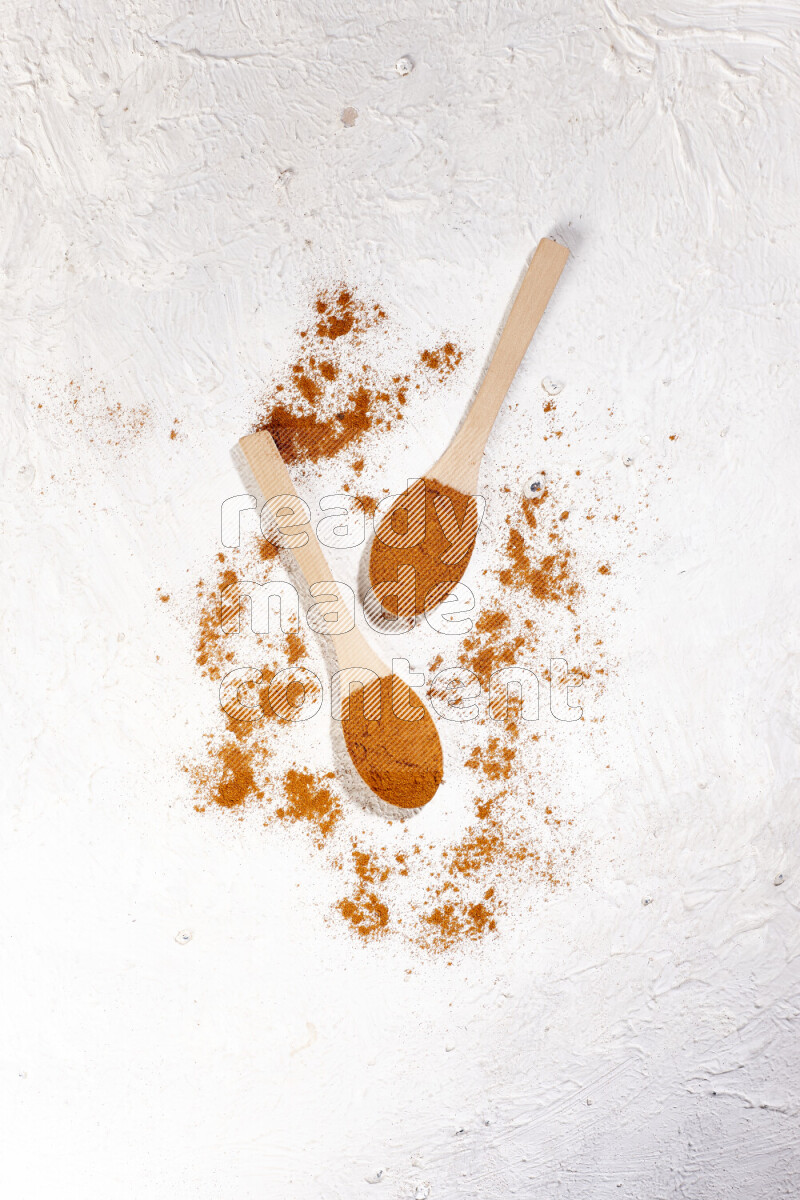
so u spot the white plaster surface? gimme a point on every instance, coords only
(173, 179)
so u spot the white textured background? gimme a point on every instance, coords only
(151, 242)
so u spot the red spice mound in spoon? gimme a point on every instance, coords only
(398, 755)
(422, 547)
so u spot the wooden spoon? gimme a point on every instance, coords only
(432, 526)
(388, 731)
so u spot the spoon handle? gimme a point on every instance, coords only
(292, 518)
(466, 450)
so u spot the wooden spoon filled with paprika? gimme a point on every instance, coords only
(388, 731)
(424, 542)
